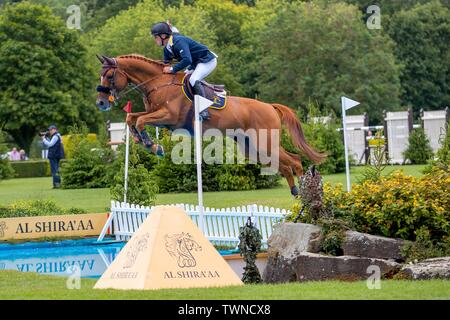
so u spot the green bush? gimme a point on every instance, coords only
(142, 188)
(424, 248)
(88, 167)
(6, 171)
(443, 154)
(35, 208)
(397, 205)
(31, 168)
(172, 177)
(419, 150)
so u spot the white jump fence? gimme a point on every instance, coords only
(221, 226)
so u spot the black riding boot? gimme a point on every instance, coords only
(198, 88)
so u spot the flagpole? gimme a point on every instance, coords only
(198, 157)
(127, 109)
(347, 164)
(127, 151)
(346, 105)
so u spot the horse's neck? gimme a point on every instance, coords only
(140, 71)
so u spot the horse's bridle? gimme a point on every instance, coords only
(113, 92)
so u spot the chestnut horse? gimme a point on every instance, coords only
(167, 106)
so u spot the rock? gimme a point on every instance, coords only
(287, 241)
(366, 245)
(310, 266)
(436, 268)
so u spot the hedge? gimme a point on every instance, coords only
(31, 168)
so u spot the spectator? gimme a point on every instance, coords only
(52, 141)
(14, 155)
(23, 155)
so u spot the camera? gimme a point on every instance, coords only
(43, 134)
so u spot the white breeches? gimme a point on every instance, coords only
(202, 71)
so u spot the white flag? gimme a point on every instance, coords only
(349, 103)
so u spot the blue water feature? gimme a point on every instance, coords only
(57, 257)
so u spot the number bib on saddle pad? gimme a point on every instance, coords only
(215, 93)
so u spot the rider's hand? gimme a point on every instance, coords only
(167, 70)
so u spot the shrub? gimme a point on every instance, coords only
(171, 177)
(424, 248)
(397, 205)
(35, 208)
(142, 188)
(419, 150)
(443, 154)
(6, 171)
(88, 167)
(71, 141)
(31, 168)
(377, 162)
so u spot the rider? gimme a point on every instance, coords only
(196, 57)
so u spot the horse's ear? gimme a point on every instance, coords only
(100, 58)
(109, 61)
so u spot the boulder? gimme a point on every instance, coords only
(436, 268)
(310, 266)
(286, 242)
(366, 245)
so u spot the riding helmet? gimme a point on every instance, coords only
(161, 28)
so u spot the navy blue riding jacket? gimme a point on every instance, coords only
(188, 52)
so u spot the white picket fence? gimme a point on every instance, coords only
(221, 225)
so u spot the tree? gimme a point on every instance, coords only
(44, 74)
(422, 35)
(94, 13)
(6, 170)
(419, 150)
(316, 52)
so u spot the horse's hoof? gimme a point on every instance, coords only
(148, 147)
(294, 191)
(160, 151)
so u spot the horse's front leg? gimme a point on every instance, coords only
(160, 117)
(131, 121)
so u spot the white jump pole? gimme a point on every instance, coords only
(346, 104)
(127, 151)
(200, 104)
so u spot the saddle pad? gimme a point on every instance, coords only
(218, 97)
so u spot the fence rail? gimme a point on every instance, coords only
(221, 226)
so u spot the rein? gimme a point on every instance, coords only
(137, 87)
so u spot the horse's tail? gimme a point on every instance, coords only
(289, 119)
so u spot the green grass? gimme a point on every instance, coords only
(15, 285)
(98, 200)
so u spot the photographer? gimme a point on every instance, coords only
(52, 141)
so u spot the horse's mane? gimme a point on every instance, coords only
(142, 58)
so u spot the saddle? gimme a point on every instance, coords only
(213, 92)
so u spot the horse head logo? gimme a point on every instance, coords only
(3, 228)
(180, 247)
(139, 244)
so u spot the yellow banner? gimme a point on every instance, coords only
(52, 226)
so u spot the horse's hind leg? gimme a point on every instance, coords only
(296, 165)
(286, 170)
